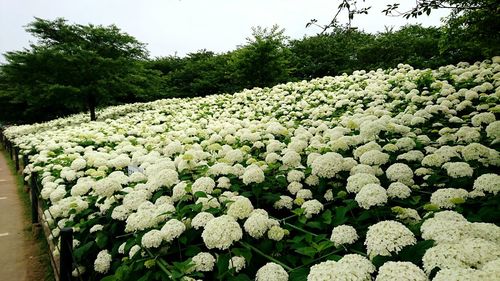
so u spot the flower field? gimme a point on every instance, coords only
(380, 175)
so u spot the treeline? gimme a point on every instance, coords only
(270, 59)
(75, 68)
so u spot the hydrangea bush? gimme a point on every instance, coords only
(380, 175)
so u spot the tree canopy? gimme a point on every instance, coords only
(73, 67)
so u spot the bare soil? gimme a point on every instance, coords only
(21, 256)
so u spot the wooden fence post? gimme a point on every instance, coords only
(66, 256)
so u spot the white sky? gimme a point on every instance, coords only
(179, 27)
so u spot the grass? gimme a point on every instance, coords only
(41, 249)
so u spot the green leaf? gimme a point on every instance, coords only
(327, 217)
(83, 250)
(307, 251)
(191, 251)
(222, 264)
(415, 252)
(340, 218)
(314, 224)
(110, 278)
(200, 194)
(299, 274)
(241, 277)
(101, 239)
(378, 261)
(244, 252)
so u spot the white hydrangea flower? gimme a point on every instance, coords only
(257, 224)
(285, 202)
(465, 254)
(398, 190)
(488, 183)
(96, 227)
(295, 176)
(276, 233)
(343, 234)
(493, 131)
(411, 156)
(102, 262)
(178, 191)
(458, 169)
(327, 165)
(203, 184)
(358, 180)
(291, 159)
(294, 187)
(271, 271)
(201, 219)
(374, 157)
(349, 267)
(362, 168)
(240, 207)
(371, 195)
(152, 239)
(203, 262)
(312, 207)
(237, 263)
(386, 237)
(224, 182)
(459, 274)
(172, 229)
(134, 250)
(253, 174)
(445, 197)
(304, 194)
(221, 232)
(208, 202)
(78, 164)
(404, 271)
(312, 180)
(483, 118)
(400, 172)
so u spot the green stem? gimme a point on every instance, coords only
(300, 229)
(161, 263)
(320, 258)
(358, 252)
(248, 246)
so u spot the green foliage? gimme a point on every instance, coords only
(74, 68)
(264, 61)
(328, 54)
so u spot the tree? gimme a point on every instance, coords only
(328, 54)
(264, 61)
(198, 74)
(74, 67)
(470, 32)
(412, 44)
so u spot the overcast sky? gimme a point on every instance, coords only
(179, 27)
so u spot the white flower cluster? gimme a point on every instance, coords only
(271, 271)
(343, 235)
(102, 262)
(371, 195)
(237, 263)
(404, 271)
(349, 267)
(460, 245)
(388, 237)
(373, 137)
(221, 232)
(203, 262)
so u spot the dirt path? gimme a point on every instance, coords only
(19, 251)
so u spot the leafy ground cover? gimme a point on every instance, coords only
(385, 175)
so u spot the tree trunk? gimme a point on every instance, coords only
(91, 104)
